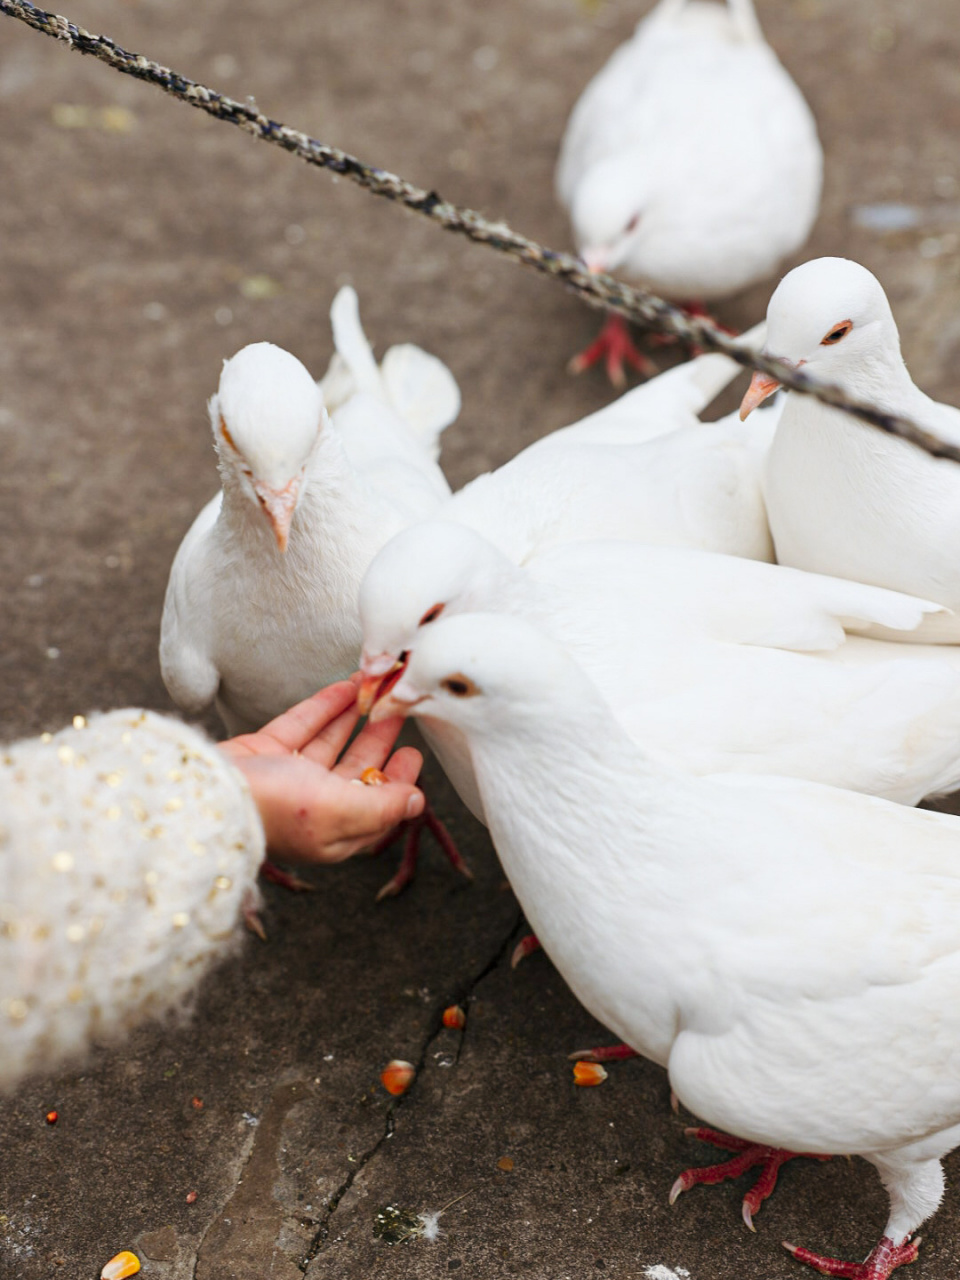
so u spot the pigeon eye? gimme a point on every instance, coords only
(836, 333)
(431, 615)
(460, 686)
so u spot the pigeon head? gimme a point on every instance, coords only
(266, 419)
(433, 569)
(830, 316)
(607, 214)
(484, 673)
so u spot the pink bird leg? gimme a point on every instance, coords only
(881, 1262)
(696, 311)
(614, 346)
(285, 879)
(604, 1053)
(412, 832)
(748, 1155)
(276, 875)
(525, 947)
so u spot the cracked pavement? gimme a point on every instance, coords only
(141, 244)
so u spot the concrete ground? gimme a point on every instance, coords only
(142, 243)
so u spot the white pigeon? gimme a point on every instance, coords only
(129, 853)
(717, 664)
(260, 609)
(691, 164)
(644, 468)
(844, 498)
(789, 952)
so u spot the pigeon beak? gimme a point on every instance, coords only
(379, 676)
(596, 260)
(391, 700)
(389, 705)
(761, 387)
(367, 693)
(278, 506)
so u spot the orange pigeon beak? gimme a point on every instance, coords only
(389, 705)
(278, 506)
(596, 260)
(373, 687)
(367, 693)
(761, 387)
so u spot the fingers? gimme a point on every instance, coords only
(404, 765)
(237, 749)
(370, 748)
(303, 723)
(312, 815)
(370, 813)
(328, 744)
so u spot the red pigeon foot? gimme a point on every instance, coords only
(614, 346)
(525, 947)
(605, 1053)
(411, 832)
(285, 879)
(880, 1263)
(696, 311)
(749, 1154)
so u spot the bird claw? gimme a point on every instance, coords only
(395, 885)
(411, 851)
(614, 346)
(745, 1155)
(604, 1053)
(880, 1263)
(251, 915)
(285, 879)
(525, 947)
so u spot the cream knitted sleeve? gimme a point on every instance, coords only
(127, 846)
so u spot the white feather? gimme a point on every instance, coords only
(431, 1226)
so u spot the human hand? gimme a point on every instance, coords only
(312, 804)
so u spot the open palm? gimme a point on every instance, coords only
(311, 799)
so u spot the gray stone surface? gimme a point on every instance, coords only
(129, 261)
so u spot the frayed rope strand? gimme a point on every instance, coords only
(644, 309)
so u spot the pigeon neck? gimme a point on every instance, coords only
(572, 794)
(586, 828)
(745, 20)
(740, 13)
(881, 378)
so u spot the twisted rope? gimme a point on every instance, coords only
(601, 291)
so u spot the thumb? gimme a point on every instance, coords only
(368, 813)
(397, 802)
